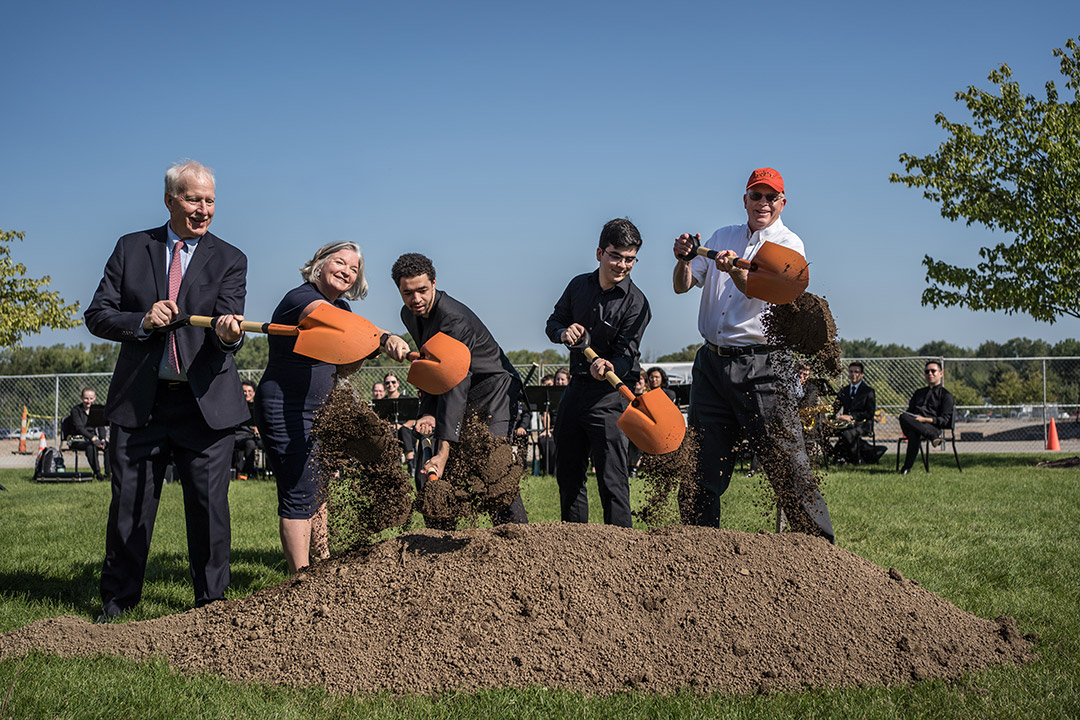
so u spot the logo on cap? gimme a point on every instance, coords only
(766, 176)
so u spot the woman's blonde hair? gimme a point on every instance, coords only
(313, 268)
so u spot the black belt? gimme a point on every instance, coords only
(171, 385)
(737, 350)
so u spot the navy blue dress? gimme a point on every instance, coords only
(292, 388)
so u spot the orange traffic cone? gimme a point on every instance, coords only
(1052, 438)
(41, 444)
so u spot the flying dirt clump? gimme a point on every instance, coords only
(668, 481)
(806, 326)
(482, 476)
(358, 463)
(582, 608)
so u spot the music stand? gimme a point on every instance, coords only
(393, 409)
(544, 399)
(682, 394)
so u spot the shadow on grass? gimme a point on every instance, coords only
(252, 570)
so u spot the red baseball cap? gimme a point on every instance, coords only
(766, 176)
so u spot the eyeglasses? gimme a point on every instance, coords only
(769, 197)
(391, 382)
(931, 371)
(619, 259)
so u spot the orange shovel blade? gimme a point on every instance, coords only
(653, 423)
(444, 362)
(336, 336)
(779, 275)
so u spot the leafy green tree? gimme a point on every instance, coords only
(28, 307)
(868, 348)
(687, 354)
(99, 357)
(1016, 169)
(942, 349)
(549, 356)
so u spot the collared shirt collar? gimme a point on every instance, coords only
(171, 237)
(623, 285)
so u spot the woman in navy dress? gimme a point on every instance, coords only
(294, 386)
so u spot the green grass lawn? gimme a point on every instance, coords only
(1002, 537)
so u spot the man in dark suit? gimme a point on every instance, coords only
(175, 396)
(854, 406)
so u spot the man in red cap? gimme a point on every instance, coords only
(733, 395)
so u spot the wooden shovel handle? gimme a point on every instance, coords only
(611, 377)
(248, 326)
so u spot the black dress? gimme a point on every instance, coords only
(291, 390)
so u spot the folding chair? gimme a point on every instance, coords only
(924, 448)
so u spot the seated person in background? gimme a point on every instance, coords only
(562, 377)
(378, 391)
(659, 379)
(406, 431)
(247, 437)
(94, 438)
(854, 406)
(930, 410)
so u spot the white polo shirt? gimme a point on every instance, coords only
(727, 317)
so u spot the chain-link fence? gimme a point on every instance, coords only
(1003, 404)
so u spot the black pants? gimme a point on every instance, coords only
(91, 450)
(586, 427)
(847, 443)
(916, 432)
(247, 444)
(176, 432)
(735, 397)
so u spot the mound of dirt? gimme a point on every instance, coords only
(587, 608)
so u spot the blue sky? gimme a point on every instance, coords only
(497, 138)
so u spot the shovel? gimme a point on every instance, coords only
(441, 364)
(776, 274)
(651, 421)
(328, 333)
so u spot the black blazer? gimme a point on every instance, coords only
(215, 283)
(861, 407)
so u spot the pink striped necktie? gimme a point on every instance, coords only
(176, 274)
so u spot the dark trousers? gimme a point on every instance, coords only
(915, 432)
(91, 450)
(847, 443)
(175, 433)
(247, 444)
(586, 427)
(735, 397)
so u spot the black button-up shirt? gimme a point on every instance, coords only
(615, 318)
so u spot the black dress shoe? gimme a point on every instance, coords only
(905, 471)
(107, 615)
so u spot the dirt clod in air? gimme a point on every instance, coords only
(482, 476)
(668, 480)
(358, 463)
(806, 326)
(584, 608)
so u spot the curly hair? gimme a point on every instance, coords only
(412, 265)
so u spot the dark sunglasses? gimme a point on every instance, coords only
(769, 197)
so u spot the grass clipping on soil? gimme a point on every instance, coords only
(585, 608)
